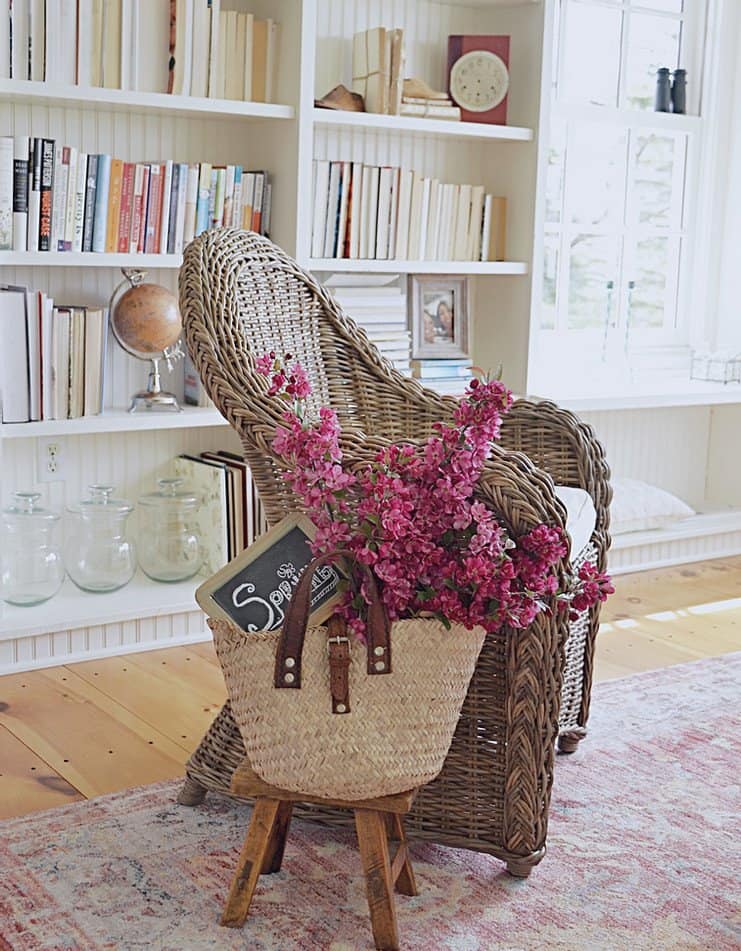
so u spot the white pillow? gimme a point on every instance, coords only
(637, 506)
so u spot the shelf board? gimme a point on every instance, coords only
(72, 608)
(124, 100)
(363, 265)
(640, 118)
(87, 259)
(116, 421)
(636, 396)
(420, 126)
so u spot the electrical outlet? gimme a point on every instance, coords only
(50, 460)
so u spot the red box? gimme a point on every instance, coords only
(459, 46)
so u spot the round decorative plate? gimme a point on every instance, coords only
(479, 81)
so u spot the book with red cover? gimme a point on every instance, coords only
(154, 209)
(125, 214)
(141, 211)
(458, 46)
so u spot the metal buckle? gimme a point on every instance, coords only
(337, 640)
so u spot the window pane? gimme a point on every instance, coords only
(595, 173)
(657, 187)
(652, 301)
(593, 272)
(653, 42)
(550, 282)
(555, 172)
(669, 6)
(591, 55)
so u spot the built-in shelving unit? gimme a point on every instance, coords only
(362, 266)
(409, 125)
(116, 421)
(87, 259)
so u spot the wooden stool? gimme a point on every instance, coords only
(375, 819)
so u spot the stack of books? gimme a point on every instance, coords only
(388, 213)
(430, 108)
(188, 47)
(52, 358)
(56, 198)
(380, 309)
(231, 516)
(378, 69)
(450, 377)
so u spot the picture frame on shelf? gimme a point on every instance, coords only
(439, 318)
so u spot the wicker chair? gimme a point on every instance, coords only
(241, 296)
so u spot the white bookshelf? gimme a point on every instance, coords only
(131, 450)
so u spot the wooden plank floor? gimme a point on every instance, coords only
(73, 732)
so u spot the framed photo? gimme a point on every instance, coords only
(439, 318)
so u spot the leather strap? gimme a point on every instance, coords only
(287, 672)
(338, 649)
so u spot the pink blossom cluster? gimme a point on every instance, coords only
(412, 517)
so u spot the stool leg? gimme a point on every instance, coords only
(404, 879)
(374, 852)
(251, 862)
(277, 844)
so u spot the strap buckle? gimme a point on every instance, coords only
(337, 640)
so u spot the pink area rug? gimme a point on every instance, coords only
(643, 854)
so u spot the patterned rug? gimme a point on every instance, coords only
(643, 854)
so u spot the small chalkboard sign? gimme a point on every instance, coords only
(255, 588)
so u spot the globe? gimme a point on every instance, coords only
(146, 320)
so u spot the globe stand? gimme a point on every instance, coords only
(154, 397)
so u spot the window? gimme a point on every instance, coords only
(620, 186)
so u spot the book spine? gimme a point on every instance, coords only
(20, 193)
(164, 224)
(212, 196)
(114, 205)
(219, 199)
(136, 208)
(154, 206)
(70, 199)
(101, 203)
(45, 196)
(34, 196)
(257, 201)
(180, 212)
(248, 194)
(172, 210)
(229, 197)
(204, 185)
(157, 209)
(191, 204)
(7, 150)
(146, 190)
(267, 208)
(127, 201)
(90, 188)
(59, 205)
(237, 203)
(79, 213)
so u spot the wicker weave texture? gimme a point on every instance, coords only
(241, 296)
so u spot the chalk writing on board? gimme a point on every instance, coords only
(323, 585)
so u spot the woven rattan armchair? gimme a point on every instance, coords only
(240, 297)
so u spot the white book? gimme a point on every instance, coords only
(7, 149)
(85, 29)
(67, 43)
(183, 47)
(333, 208)
(19, 38)
(97, 27)
(433, 222)
(463, 219)
(37, 40)
(79, 210)
(180, 210)
(127, 43)
(451, 232)
(201, 47)
(229, 196)
(321, 199)
(166, 198)
(14, 393)
(33, 336)
(5, 46)
(237, 202)
(486, 229)
(96, 334)
(345, 186)
(221, 51)
(133, 51)
(70, 201)
(61, 329)
(372, 219)
(406, 177)
(153, 34)
(191, 203)
(474, 228)
(393, 212)
(59, 198)
(356, 198)
(271, 59)
(424, 216)
(47, 389)
(34, 195)
(365, 205)
(233, 65)
(213, 55)
(20, 192)
(249, 40)
(385, 179)
(444, 219)
(415, 218)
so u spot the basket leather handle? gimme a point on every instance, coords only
(291, 643)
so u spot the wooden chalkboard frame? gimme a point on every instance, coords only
(205, 593)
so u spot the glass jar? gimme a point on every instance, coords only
(169, 545)
(31, 568)
(97, 554)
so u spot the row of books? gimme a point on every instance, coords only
(52, 357)
(380, 309)
(450, 377)
(190, 47)
(56, 198)
(378, 69)
(389, 213)
(230, 517)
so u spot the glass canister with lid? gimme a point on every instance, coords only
(169, 545)
(97, 554)
(31, 567)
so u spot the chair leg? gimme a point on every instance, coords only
(568, 742)
(251, 862)
(277, 844)
(404, 882)
(374, 852)
(192, 792)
